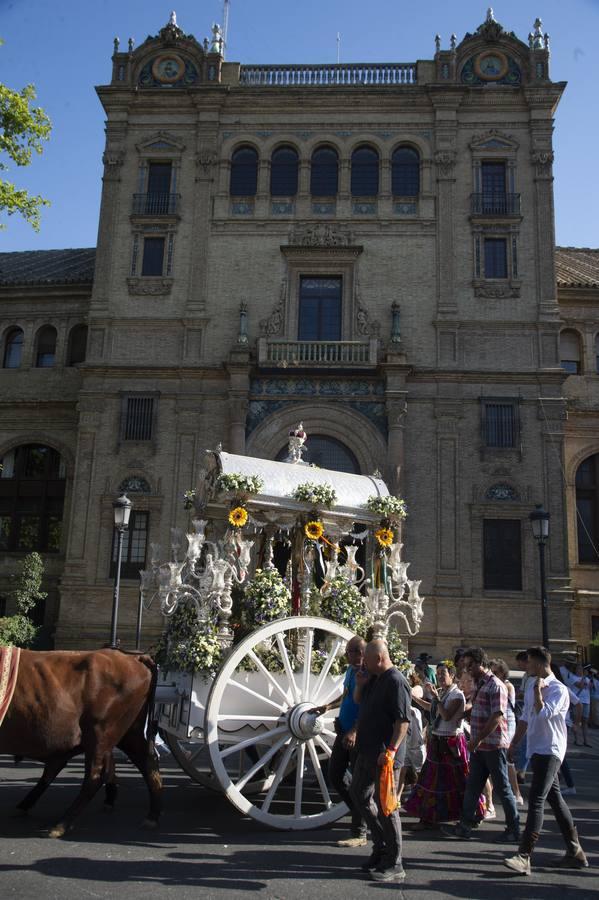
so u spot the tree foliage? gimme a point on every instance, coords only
(19, 630)
(23, 129)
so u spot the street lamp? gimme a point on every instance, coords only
(122, 510)
(539, 520)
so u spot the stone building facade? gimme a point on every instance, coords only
(366, 248)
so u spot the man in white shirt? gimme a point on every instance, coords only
(544, 722)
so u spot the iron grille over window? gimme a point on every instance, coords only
(496, 258)
(500, 423)
(502, 555)
(493, 186)
(320, 309)
(587, 508)
(324, 172)
(405, 172)
(135, 542)
(46, 347)
(244, 173)
(13, 349)
(283, 172)
(32, 487)
(365, 172)
(138, 419)
(153, 258)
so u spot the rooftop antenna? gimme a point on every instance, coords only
(225, 23)
(338, 47)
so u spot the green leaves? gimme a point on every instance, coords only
(23, 129)
(19, 630)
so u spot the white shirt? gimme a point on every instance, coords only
(448, 727)
(583, 690)
(546, 731)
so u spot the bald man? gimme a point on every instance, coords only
(383, 695)
(344, 748)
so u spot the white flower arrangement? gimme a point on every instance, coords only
(342, 603)
(235, 482)
(189, 645)
(266, 598)
(398, 655)
(316, 494)
(391, 508)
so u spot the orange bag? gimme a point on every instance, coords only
(387, 792)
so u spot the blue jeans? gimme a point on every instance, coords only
(482, 764)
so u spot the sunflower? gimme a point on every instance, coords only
(314, 530)
(238, 517)
(384, 537)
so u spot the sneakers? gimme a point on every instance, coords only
(356, 841)
(372, 862)
(388, 873)
(490, 814)
(568, 791)
(508, 836)
(575, 860)
(459, 832)
(518, 863)
(520, 801)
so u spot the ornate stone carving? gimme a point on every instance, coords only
(493, 139)
(445, 160)
(113, 160)
(496, 291)
(320, 235)
(149, 287)
(543, 160)
(205, 159)
(274, 323)
(502, 491)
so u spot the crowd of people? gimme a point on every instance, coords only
(457, 734)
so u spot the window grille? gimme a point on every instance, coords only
(405, 172)
(244, 173)
(502, 555)
(320, 309)
(365, 172)
(495, 258)
(324, 173)
(500, 423)
(283, 172)
(138, 419)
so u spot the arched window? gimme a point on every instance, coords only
(324, 172)
(365, 172)
(587, 509)
(283, 172)
(77, 345)
(45, 355)
(244, 173)
(326, 453)
(597, 353)
(405, 172)
(13, 349)
(32, 487)
(569, 347)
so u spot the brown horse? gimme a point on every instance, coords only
(67, 703)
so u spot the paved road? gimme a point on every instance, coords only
(205, 849)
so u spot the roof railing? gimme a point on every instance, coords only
(338, 75)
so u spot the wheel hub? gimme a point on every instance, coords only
(304, 724)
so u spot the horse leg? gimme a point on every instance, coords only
(139, 751)
(52, 768)
(96, 766)
(111, 786)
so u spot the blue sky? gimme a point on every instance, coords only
(64, 48)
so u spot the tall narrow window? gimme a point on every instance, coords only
(153, 258)
(587, 509)
(324, 172)
(569, 349)
(496, 258)
(283, 172)
(32, 488)
(13, 349)
(405, 172)
(45, 356)
(158, 196)
(502, 555)
(365, 172)
(500, 423)
(77, 345)
(320, 309)
(493, 187)
(135, 543)
(597, 353)
(137, 418)
(244, 173)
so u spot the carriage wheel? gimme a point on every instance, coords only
(193, 757)
(287, 742)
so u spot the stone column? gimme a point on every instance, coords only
(238, 397)
(206, 158)
(113, 159)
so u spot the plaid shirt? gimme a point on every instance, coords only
(491, 698)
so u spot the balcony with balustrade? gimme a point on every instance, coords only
(155, 205)
(495, 205)
(339, 75)
(275, 353)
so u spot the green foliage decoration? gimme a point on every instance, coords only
(18, 630)
(266, 598)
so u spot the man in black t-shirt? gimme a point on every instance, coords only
(384, 697)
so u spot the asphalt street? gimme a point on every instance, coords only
(206, 849)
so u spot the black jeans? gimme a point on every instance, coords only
(566, 772)
(340, 760)
(545, 786)
(385, 830)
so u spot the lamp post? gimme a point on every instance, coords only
(539, 520)
(122, 510)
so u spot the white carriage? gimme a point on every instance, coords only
(247, 727)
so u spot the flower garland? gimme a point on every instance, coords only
(266, 598)
(391, 508)
(235, 482)
(343, 603)
(189, 645)
(316, 494)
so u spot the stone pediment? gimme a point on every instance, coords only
(493, 140)
(159, 142)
